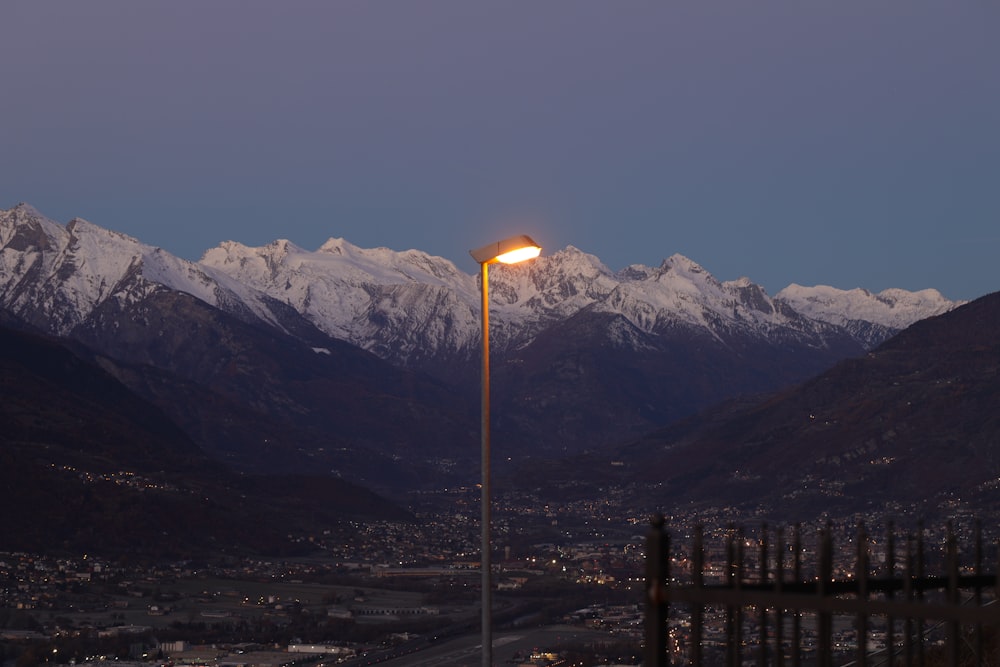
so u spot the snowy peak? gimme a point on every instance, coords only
(396, 304)
(232, 257)
(403, 266)
(23, 228)
(640, 347)
(556, 285)
(681, 265)
(56, 276)
(337, 246)
(681, 293)
(80, 229)
(404, 305)
(571, 260)
(751, 296)
(892, 308)
(681, 275)
(337, 260)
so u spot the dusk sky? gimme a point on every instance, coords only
(852, 144)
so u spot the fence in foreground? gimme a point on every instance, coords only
(765, 600)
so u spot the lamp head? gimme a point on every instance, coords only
(509, 251)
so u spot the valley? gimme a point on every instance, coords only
(277, 447)
(376, 589)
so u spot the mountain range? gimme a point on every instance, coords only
(86, 464)
(910, 427)
(363, 363)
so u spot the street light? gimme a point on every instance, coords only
(509, 251)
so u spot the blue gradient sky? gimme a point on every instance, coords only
(854, 144)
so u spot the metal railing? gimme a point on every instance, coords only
(768, 601)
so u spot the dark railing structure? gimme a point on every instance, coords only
(761, 602)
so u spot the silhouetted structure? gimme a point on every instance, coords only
(768, 605)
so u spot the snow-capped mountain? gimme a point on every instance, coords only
(414, 309)
(646, 344)
(409, 306)
(402, 306)
(870, 317)
(55, 276)
(245, 376)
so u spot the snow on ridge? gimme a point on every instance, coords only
(343, 289)
(635, 272)
(552, 286)
(740, 282)
(26, 214)
(28, 210)
(893, 308)
(99, 252)
(685, 286)
(680, 291)
(680, 274)
(573, 256)
(86, 264)
(336, 260)
(402, 265)
(568, 263)
(398, 303)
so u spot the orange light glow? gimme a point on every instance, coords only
(519, 255)
(509, 251)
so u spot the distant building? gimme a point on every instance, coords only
(320, 649)
(175, 647)
(338, 612)
(259, 659)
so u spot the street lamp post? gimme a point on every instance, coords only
(509, 251)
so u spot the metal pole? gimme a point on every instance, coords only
(487, 593)
(762, 637)
(698, 611)
(657, 650)
(862, 572)
(824, 620)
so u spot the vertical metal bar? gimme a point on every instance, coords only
(762, 612)
(890, 575)
(978, 637)
(779, 585)
(485, 498)
(665, 603)
(698, 577)
(797, 617)
(740, 538)
(908, 594)
(921, 658)
(951, 559)
(731, 659)
(657, 573)
(823, 618)
(996, 590)
(861, 574)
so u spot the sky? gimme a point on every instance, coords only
(849, 143)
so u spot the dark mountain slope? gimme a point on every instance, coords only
(52, 397)
(584, 357)
(595, 374)
(917, 421)
(261, 400)
(87, 465)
